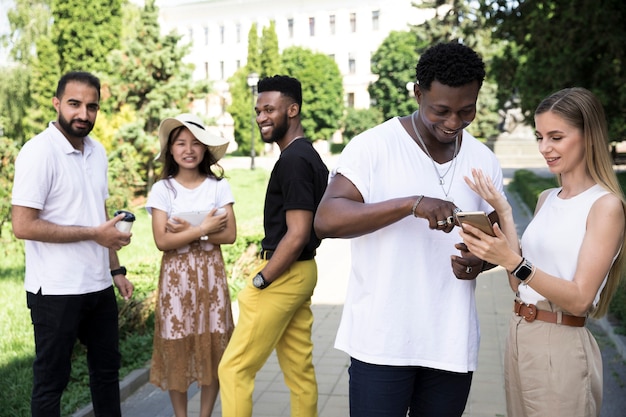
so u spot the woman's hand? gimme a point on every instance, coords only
(483, 186)
(495, 250)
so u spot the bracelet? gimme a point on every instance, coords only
(417, 201)
(532, 275)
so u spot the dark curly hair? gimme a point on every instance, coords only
(286, 85)
(452, 64)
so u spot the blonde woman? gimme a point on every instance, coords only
(567, 265)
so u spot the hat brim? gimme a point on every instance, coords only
(216, 145)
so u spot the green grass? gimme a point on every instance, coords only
(142, 259)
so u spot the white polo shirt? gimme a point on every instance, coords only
(69, 188)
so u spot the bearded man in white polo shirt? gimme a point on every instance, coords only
(58, 201)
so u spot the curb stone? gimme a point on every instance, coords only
(131, 383)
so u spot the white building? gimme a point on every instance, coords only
(350, 31)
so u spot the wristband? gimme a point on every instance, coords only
(119, 271)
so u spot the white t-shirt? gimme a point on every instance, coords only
(552, 240)
(404, 306)
(69, 188)
(170, 196)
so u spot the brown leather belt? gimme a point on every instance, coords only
(530, 313)
(267, 255)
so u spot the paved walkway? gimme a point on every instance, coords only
(271, 397)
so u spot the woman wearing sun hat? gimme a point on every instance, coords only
(192, 215)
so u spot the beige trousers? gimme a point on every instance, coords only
(551, 370)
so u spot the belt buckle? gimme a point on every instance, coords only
(532, 313)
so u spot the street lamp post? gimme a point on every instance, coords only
(253, 79)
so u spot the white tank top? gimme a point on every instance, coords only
(553, 239)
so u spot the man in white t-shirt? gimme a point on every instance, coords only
(58, 201)
(409, 322)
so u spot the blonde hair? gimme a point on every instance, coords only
(580, 108)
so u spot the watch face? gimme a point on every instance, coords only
(524, 271)
(258, 281)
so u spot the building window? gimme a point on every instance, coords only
(353, 22)
(351, 65)
(206, 70)
(190, 33)
(350, 100)
(332, 24)
(222, 34)
(238, 64)
(290, 27)
(238, 29)
(375, 19)
(331, 56)
(206, 35)
(311, 26)
(221, 70)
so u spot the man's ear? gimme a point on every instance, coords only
(56, 103)
(293, 110)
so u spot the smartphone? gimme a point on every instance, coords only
(477, 219)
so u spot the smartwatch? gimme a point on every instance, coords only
(119, 271)
(523, 270)
(259, 281)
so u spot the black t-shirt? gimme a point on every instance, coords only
(298, 181)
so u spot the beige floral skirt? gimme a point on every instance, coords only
(193, 317)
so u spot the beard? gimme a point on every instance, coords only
(278, 132)
(72, 131)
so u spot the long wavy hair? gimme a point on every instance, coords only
(580, 108)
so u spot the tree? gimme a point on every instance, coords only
(269, 55)
(322, 90)
(241, 109)
(263, 60)
(359, 120)
(28, 24)
(394, 62)
(85, 33)
(563, 43)
(152, 79)
(254, 50)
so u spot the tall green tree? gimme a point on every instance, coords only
(270, 56)
(29, 22)
(86, 32)
(263, 60)
(553, 44)
(153, 80)
(394, 63)
(254, 50)
(322, 90)
(242, 111)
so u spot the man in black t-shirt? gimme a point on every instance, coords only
(275, 307)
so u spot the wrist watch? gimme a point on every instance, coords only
(259, 281)
(119, 271)
(523, 270)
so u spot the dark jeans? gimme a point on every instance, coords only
(58, 321)
(391, 391)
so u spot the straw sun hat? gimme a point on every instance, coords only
(216, 145)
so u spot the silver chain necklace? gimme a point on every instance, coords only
(442, 180)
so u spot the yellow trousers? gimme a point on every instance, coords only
(277, 317)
